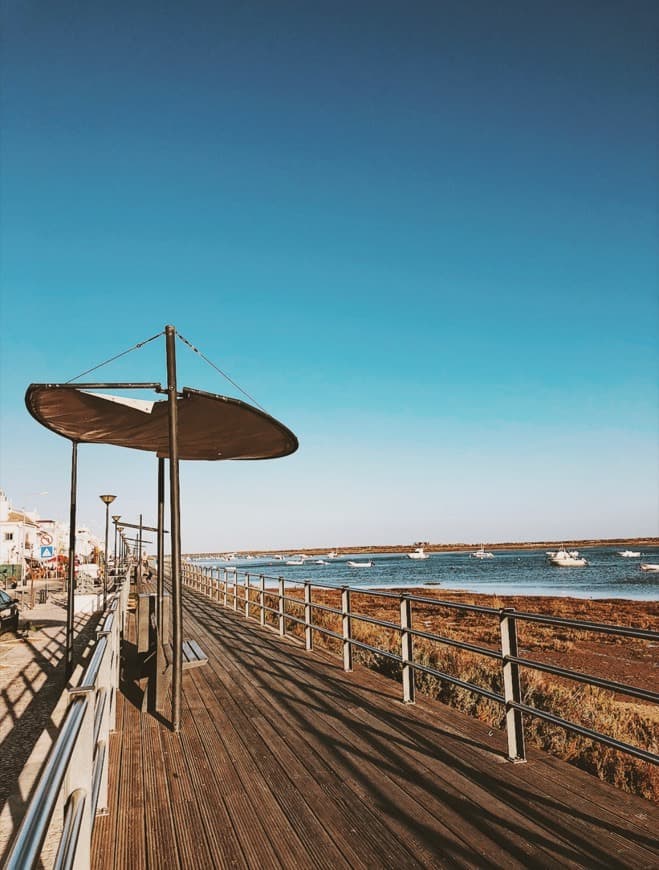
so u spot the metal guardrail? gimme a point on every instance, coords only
(224, 586)
(75, 775)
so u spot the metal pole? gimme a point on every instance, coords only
(70, 600)
(160, 580)
(115, 521)
(139, 555)
(175, 508)
(105, 557)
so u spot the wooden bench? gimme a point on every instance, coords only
(193, 657)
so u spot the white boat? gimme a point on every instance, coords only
(331, 554)
(295, 562)
(320, 562)
(567, 559)
(482, 553)
(368, 564)
(649, 566)
(418, 554)
(630, 554)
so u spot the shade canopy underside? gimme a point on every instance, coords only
(210, 427)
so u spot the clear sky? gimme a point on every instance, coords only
(422, 235)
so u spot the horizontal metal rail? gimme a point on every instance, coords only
(32, 832)
(472, 687)
(586, 732)
(589, 679)
(76, 767)
(460, 644)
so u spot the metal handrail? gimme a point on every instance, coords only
(33, 829)
(511, 662)
(78, 756)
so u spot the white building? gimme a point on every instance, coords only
(23, 535)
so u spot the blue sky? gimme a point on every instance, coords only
(422, 236)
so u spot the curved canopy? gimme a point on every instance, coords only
(209, 426)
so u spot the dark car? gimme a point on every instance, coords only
(8, 612)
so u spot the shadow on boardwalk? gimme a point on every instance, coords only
(284, 760)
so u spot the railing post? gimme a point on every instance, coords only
(80, 775)
(262, 599)
(224, 587)
(235, 590)
(511, 685)
(247, 595)
(308, 629)
(347, 628)
(282, 608)
(407, 649)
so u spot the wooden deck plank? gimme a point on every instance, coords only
(400, 795)
(575, 824)
(161, 838)
(130, 834)
(303, 738)
(298, 803)
(284, 760)
(105, 827)
(208, 773)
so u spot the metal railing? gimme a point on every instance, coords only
(253, 596)
(75, 775)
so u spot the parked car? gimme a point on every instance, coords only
(8, 612)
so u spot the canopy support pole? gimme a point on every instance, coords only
(160, 580)
(70, 599)
(175, 508)
(139, 551)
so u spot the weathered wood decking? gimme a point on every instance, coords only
(284, 760)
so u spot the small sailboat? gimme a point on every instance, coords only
(295, 562)
(368, 564)
(630, 554)
(482, 553)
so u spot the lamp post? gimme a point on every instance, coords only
(115, 520)
(107, 501)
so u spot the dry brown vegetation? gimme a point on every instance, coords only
(624, 660)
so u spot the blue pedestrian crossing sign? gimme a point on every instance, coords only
(47, 552)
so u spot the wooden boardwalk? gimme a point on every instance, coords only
(284, 760)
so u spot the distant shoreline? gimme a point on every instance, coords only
(636, 543)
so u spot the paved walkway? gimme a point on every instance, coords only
(284, 760)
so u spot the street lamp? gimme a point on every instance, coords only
(107, 501)
(115, 520)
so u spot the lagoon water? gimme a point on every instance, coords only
(510, 572)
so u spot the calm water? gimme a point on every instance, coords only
(511, 572)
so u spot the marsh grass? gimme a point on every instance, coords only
(588, 706)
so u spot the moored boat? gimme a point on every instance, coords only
(419, 553)
(368, 564)
(567, 559)
(649, 566)
(629, 554)
(482, 553)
